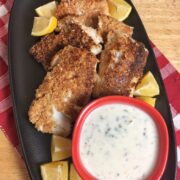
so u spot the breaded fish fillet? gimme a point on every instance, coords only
(107, 24)
(64, 91)
(69, 34)
(121, 66)
(82, 23)
(45, 49)
(88, 20)
(81, 7)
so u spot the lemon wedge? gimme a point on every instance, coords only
(43, 25)
(149, 100)
(47, 10)
(119, 9)
(73, 174)
(147, 87)
(55, 171)
(60, 148)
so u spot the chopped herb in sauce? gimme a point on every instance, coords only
(116, 137)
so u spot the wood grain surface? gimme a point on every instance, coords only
(161, 19)
(162, 22)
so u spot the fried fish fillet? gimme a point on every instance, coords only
(88, 20)
(69, 34)
(45, 49)
(64, 91)
(107, 24)
(82, 23)
(81, 7)
(121, 66)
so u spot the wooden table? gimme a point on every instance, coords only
(162, 21)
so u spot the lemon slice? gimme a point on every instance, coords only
(119, 9)
(60, 148)
(147, 87)
(47, 10)
(73, 174)
(43, 25)
(55, 171)
(149, 100)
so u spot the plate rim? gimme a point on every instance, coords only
(12, 89)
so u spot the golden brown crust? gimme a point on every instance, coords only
(69, 34)
(81, 7)
(41, 109)
(67, 87)
(107, 24)
(44, 49)
(89, 20)
(76, 66)
(122, 64)
(73, 78)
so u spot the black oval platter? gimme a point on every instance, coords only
(26, 75)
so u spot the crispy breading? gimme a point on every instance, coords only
(80, 21)
(121, 66)
(107, 24)
(81, 7)
(89, 20)
(69, 33)
(64, 91)
(45, 49)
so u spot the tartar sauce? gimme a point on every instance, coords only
(119, 142)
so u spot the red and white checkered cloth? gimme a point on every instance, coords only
(7, 124)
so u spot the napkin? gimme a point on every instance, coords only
(169, 74)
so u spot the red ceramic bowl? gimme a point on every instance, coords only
(159, 121)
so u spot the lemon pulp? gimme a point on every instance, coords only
(60, 148)
(43, 25)
(119, 9)
(149, 100)
(55, 171)
(73, 174)
(47, 10)
(147, 87)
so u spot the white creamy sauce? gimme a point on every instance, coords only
(119, 142)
